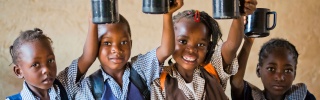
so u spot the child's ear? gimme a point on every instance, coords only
(295, 72)
(17, 70)
(258, 71)
(131, 43)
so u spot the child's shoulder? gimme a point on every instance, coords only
(299, 91)
(256, 92)
(14, 97)
(168, 70)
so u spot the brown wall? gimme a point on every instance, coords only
(65, 21)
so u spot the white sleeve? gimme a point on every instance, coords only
(217, 62)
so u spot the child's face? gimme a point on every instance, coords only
(37, 64)
(115, 47)
(278, 71)
(191, 43)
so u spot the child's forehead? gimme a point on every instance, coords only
(35, 49)
(37, 43)
(112, 30)
(192, 30)
(282, 55)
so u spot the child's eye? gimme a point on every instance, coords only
(124, 42)
(201, 45)
(51, 61)
(288, 70)
(107, 43)
(183, 41)
(35, 65)
(270, 69)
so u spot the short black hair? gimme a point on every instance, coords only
(26, 37)
(212, 26)
(122, 20)
(269, 46)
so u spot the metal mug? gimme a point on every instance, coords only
(228, 9)
(258, 23)
(156, 6)
(105, 11)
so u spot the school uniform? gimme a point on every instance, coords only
(65, 83)
(298, 91)
(147, 66)
(205, 85)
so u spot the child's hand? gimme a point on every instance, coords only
(244, 19)
(177, 5)
(249, 6)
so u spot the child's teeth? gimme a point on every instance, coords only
(189, 58)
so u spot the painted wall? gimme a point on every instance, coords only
(66, 21)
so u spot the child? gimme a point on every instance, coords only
(34, 61)
(117, 79)
(66, 84)
(278, 60)
(190, 77)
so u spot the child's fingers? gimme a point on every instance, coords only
(249, 8)
(244, 19)
(177, 5)
(251, 1)
(180, 3)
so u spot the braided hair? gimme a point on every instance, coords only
(27, 37)
(211, 25)
(269, 46)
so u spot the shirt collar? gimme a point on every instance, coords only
(198, 83)
(106, 76)
(27, 94)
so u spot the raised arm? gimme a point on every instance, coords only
(236, 81)
(167, 42)
(230, 47)
(90, 50)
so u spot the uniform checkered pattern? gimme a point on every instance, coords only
(67, 78)
(224, 73)
(26, 93)
(297, 92)
(198, 81)
(147, 66)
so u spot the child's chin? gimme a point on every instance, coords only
(46, 86)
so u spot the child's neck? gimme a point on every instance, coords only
(270, 96)
(41, 93)
(116, 74)
(186, 74)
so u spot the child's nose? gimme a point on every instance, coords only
(279, 76)
(46, 69)
(116, 49)
(191, 49)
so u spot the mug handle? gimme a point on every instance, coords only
(274, 20)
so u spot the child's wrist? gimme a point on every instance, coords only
(248, 42)
(168, 14)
